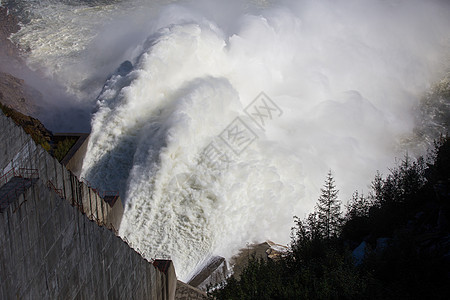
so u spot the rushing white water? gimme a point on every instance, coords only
(345, 74)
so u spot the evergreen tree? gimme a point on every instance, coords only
(376, 195)
(313, 225)
(402, 182)
(358, 206)
(329, 209)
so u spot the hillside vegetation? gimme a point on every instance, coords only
(58, 147)
(393, 243)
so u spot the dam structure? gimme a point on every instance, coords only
(58, 236)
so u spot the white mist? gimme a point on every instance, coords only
(346, 74)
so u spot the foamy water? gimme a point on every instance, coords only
(345, 78)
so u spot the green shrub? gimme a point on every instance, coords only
(63, 147)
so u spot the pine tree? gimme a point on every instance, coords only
(376, 195)
(358, 206)
(329, 209)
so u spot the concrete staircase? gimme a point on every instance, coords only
(13, 189)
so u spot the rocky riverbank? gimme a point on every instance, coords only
(218, 269)
(8, 51)
(17, 99)
(14, 92)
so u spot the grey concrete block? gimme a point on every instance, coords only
(97, 275)
(19, 272)
(68, 237)
(34, 262)
(6, 253)
(81, 228)
(69, 212)
(66, 264)
(54, 255)
(65, 291)
(114, 292)
(30, 268)
(53, 283)
(52, 204)
(8, 292)
(108, 279)
(33, 231)
(63, 215)
(31, 204)
(3, 227)
(49, 233)
(42, 205)
(3, 260)
(17, 251)
(40, 248)
(74, 281)
(84, 270)
(99, 293)
(13, 222)
(79, 295)
(88, 287)
(108, 240)
(25, 235)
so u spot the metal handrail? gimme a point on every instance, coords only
(86, 182)
(91, 186)
(99, 192)
(114, 194)
(22, 172)
(28, 173)
(50, 185)
(14, 161)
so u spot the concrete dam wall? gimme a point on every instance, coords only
(51, 243)
(49, 250)
(19, 151)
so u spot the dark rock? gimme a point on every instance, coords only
(213, 273)
(125, 68)
(187, 292)
(276, 251)
(18, 95)
(382, 244)
(442, 221)
(31, 126)
(8, 24)
(419, 215)
(240, 260)
(359, 253)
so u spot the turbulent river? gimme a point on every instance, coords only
(218, 122)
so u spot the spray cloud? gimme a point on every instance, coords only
(346, 74)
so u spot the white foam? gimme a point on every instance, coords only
(346, 92)
(346, 74)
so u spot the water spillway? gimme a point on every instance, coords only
(341, 88)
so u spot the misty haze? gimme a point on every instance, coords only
(165, 88)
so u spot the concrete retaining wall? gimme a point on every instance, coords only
(18, 150)
(49, 250)
(74, 159)
(51, 244)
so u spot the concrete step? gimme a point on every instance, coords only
(186, 292)
(13, 189)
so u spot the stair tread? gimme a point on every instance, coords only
(13, 189)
